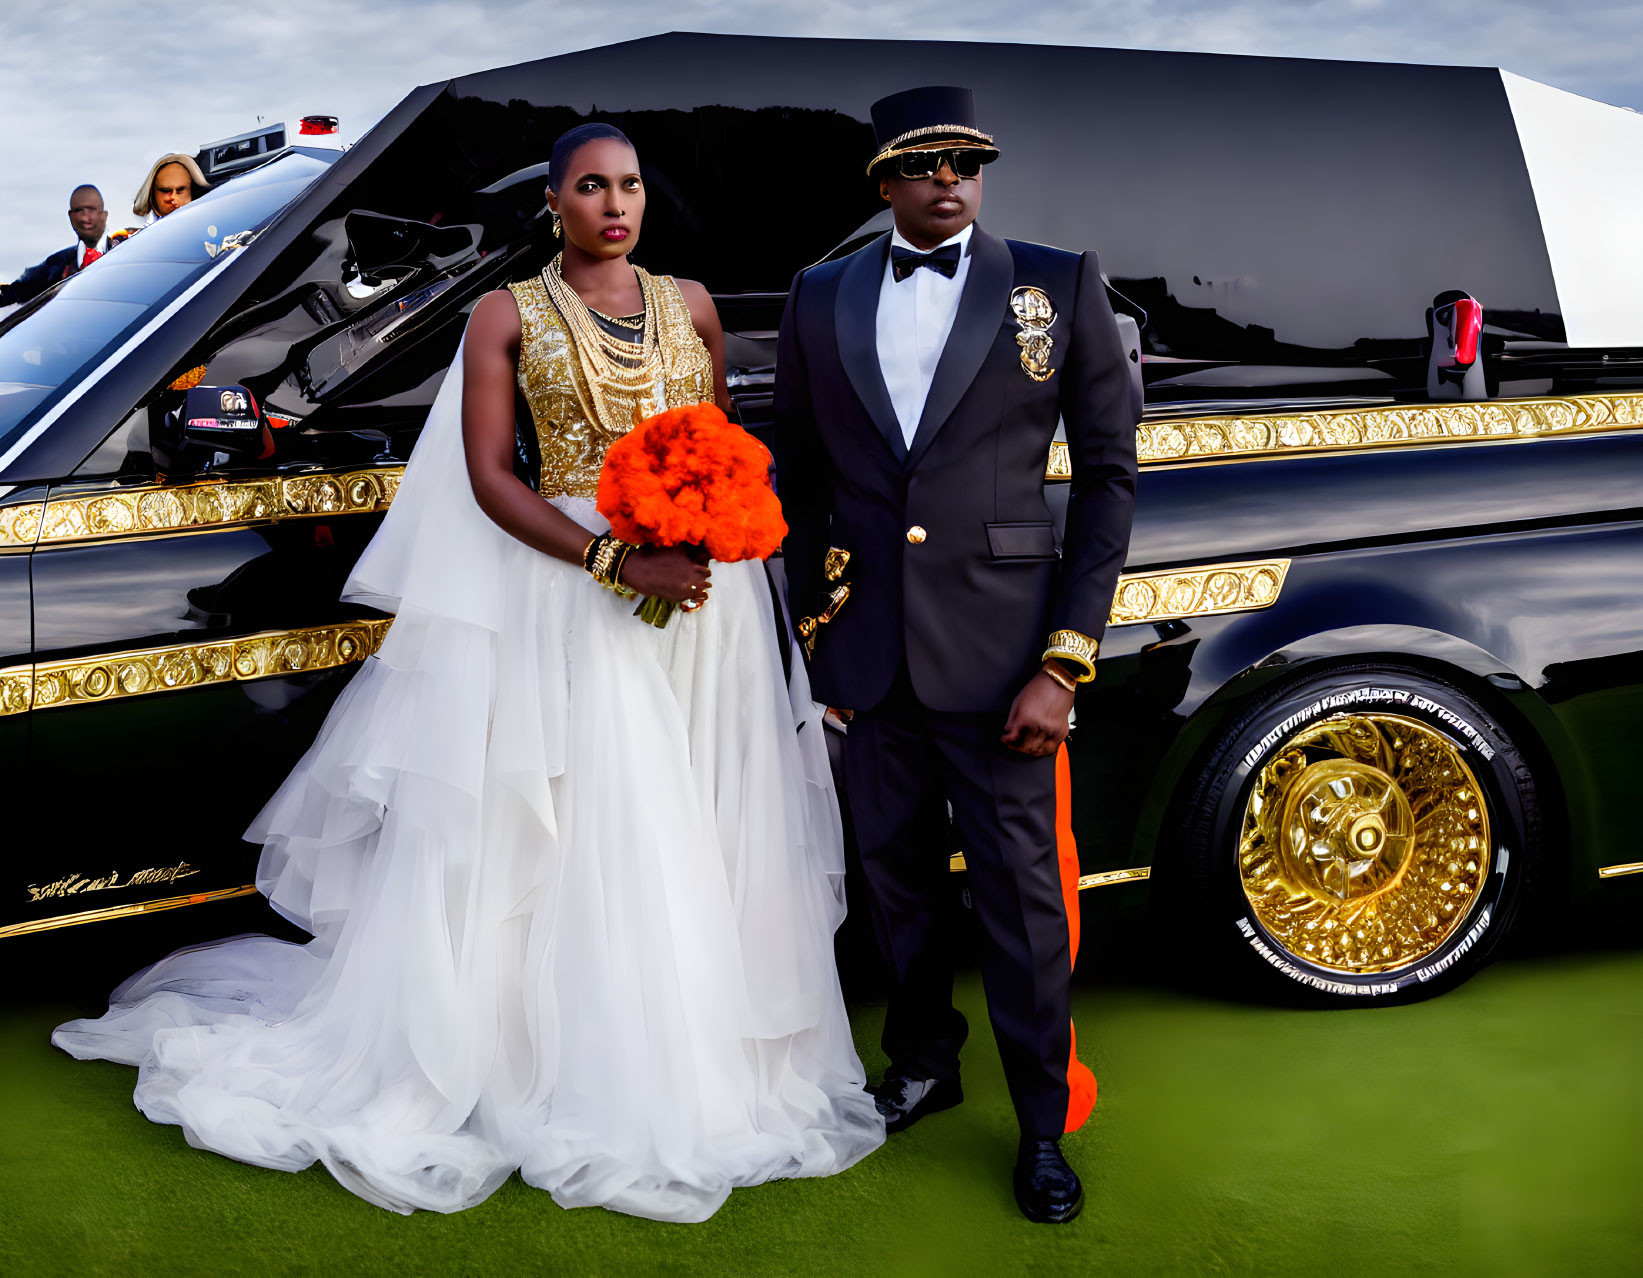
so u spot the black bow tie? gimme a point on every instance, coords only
(903, 262)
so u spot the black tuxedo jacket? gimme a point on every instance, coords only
(39, 277)
(971, 604)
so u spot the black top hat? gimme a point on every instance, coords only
(938, 115)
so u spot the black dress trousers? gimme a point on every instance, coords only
(903, 765)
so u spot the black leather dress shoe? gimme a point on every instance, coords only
(1046, 1189)
(903, 1101)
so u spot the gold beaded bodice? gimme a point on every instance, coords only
(551, 379)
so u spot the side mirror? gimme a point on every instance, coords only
(213, 422)
(1454, 332)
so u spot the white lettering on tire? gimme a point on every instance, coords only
(1307, 978)
(1424, 974)
(1370, 696)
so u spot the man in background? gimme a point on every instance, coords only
(89, 218)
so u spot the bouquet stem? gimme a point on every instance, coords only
(656, 610)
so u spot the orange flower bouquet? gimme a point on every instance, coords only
(691, 477)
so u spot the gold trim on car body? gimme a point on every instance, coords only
(1197, 592)
(1173, 440)
(147, 509)
(1105, 878)
(123, 911)
(1140, 597)
(1616, 871)
(114, 676)
(1111, 878)
(1384, 426)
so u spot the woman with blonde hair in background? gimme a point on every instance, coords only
(172, 182)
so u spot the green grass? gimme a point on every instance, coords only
(1496, 1130)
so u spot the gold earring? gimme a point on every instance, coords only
(557, 229)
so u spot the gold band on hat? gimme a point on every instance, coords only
(898, 144)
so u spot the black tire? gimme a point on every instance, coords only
(1266, 898)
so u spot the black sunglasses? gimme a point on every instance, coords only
(964, 161)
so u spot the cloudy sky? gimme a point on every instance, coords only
(92, 93)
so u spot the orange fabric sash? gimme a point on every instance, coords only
(1080, 1080)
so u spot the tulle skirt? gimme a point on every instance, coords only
(573, 883)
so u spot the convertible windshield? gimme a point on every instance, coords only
(54, 341)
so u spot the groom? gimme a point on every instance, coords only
(918, 386)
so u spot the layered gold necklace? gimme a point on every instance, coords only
(618, 376)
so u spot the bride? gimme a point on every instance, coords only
(572, 880)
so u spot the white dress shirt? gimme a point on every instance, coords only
(915, 316)
(80, 251)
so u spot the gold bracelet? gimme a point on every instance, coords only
(1059, 675)
(588, 550)
(602, 559)
(1075, 649)
(607, 562)
(615, 582)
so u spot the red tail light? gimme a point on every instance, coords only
(315, 125)
(1468, 330)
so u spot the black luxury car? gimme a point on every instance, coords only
(1375, 670)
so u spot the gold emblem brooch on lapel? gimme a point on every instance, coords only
(1034, 313)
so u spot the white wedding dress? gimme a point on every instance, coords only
(573, 883)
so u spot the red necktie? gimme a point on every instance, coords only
(91, 256)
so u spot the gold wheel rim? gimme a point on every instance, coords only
(1365, 843)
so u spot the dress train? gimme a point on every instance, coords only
(572, 881)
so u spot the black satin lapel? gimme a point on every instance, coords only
(980, 313)
(855, 327)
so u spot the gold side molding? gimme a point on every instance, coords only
(167, 508)
(115, 676)
(124, 911)
(164, 508)
(1615, 871)
(1143, 597)
(1389, 426)
(1106, 878)
(1197, 592)
(75, 883)
(1166, 440)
